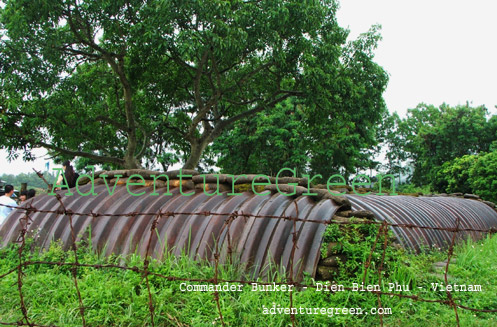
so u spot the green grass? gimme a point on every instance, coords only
(403, 189)
(411, 188)
(116, 297)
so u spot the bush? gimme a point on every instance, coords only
(453, 176)
(483, 176)
(411, 188)
(468, 174)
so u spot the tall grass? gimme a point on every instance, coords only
(116, 297)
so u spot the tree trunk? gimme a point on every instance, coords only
(197, 147)
(130, 162)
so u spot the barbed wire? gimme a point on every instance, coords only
(231, 217)
(132, 214)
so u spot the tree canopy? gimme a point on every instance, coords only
(131, 83)
(469, 174)
(289, 137)
(430, 136)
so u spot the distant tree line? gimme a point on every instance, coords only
(31, 178)
(469, 174)
(452, 149)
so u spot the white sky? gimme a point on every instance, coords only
(434, 51)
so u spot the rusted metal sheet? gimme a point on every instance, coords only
(242, 228)
(431, 212)
(252, 237)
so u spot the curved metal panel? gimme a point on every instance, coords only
(435, 213)
(248, 228)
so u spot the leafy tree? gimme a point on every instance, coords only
(132, 83)
(343, 138)
(469, 174)
(68, 89)
(430, 136)
(492, 132)
(31, 179)
(395, 156)
(318, 137)
(266, 143)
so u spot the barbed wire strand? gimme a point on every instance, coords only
(450, 252)
(292, 256)
(24, 222)
(74, 269)
(383, 227)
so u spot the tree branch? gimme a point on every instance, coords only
(111, 122)
(225, 123)
(69, 50)
(202, 108)
(96, 157)
(198, 77)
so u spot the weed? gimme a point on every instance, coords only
(117, 297)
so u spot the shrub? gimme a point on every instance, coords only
(453, 176)
(483, 176)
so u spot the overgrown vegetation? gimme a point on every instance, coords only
(411, 189)
(354, 242)
(450, 149)
(120, 298)
(469, 174)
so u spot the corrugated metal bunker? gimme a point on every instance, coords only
(258, 234)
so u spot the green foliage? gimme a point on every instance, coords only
(117, 297)
(396, 154)
(32, 179)
(355, 242)
(430, 136)
(133, 83)
(453, 176)
(483, 176)
(411, 188)
(469, 174)
(296, 134)
(265, 143)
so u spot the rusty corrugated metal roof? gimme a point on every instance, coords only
(255, 237)
(432, 212)
(258, 242)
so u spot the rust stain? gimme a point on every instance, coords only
(256, 242)
(246, 228)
